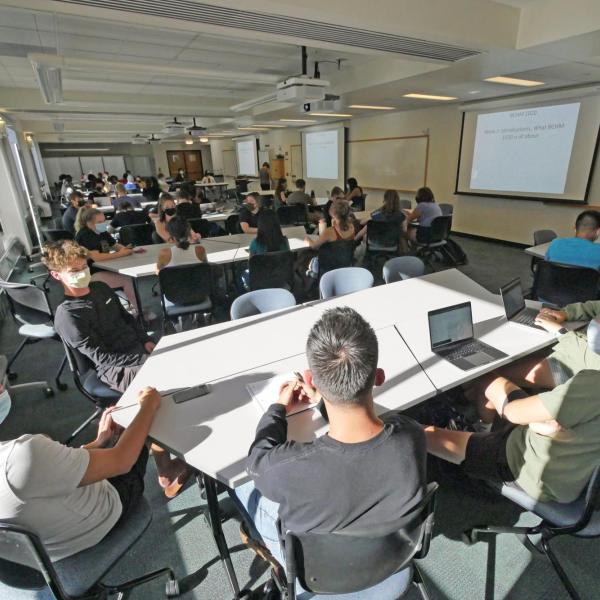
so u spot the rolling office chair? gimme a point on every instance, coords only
(580, 518)
(383, 240)
(26, 568)
(232, 225)
(403, 267)
(30, 308)
(345, 281)
(335, 255)
(56, 235)
(201, 226)
(87, 382)
(353, 560)
(272, 270)
(185, 290)
(136, 235)
(541, 236)
(447, 209)
(560, 284)
(261, 301)
(358, 204)
(292, 214)
(436, 242)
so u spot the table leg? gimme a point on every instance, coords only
(214, 520)
(136, 293)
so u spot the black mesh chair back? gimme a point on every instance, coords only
(231, 195)
(186, 284)
(272, 270)
(543, 236)
(138, 235)
(291, 214)
(440, 229)
(358, 558)
(79, 364)
(447, 209)
(359, 203)
(232, 224)
(29, 304)
(383, 236)
(560, 285)
(335, 255)
(201, 226)
(56, 235)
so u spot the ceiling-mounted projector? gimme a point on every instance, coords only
(138, 139)
(154, 140)
(196, 130)
(301, 89)
(331, 103)
(173, 126)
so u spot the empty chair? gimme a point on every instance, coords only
(560, 285)
(383, 237)
(345, 281)
(353, 560)
(55, 235)
(447, 209)
(406, 204)
(201, 226)
(232, 224)
(292, 214)
(580, 518)
(26, 570)
(261, 301)
(335, 255)
(403, 267)
(271, 270)
(185, 289)
(31, 310)
(543, 236)
(436, 242)
(136, 235)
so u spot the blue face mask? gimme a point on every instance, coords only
(101, 227)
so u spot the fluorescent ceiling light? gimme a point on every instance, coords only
(189, 141)
(77, 149)
(253, 129)
(514, 81)
(371, 107)
(297, 120)
(203, 140)
(269, 126)
(430, 97)
(313, 114)
(50, 83)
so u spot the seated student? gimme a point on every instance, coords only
(73, 497)
(337, 193)
(121, 196)
(425, 211)
(281, 193)
(126, 215)
(186, 207)
(248, 214)
(92, 235)
(69, 217)
(131, 185)
(182, 252)
(342, 227)
(549, 443)
(162, 182)
(166, 211)
(151, 189)
(208, 178)
(365, 471)
(93, 321)
(390, 212)
(302, 198)
(581, 249)
(355, 192)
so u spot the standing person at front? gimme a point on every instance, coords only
(364, 472)
(265, 176)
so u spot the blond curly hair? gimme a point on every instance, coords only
(57, 256)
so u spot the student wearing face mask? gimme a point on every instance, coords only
(92, 234)
(249, 213)
(166, 211)
(70, 215)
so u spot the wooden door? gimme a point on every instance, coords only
(188, 160)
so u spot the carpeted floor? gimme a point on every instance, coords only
(179, 537)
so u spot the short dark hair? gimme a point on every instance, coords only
(588, 220)
(125, 206)
(300, 183)
(342, 353)
(179, 229)
(424, 194)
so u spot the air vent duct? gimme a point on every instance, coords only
(304, 29)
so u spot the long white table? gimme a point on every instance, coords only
(540, 250)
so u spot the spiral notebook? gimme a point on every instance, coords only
(266, 392)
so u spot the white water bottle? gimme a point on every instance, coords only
(5, 403)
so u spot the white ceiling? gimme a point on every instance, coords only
(104, 104)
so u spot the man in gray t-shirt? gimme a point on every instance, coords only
(72, 497)
(301, 197)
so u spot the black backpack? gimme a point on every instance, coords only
(455, 253)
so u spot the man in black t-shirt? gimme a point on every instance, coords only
(249, 213)
(364, 472)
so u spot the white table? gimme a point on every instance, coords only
(215, 184)
(538, 251)
(260, 193)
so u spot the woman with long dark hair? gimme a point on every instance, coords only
(269, 237)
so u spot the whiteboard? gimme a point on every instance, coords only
(115, 165)
(389, 163)
(229, 163)
(91, 164)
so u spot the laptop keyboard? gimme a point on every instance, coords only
(464, 351)
(524, 319)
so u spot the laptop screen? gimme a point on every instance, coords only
(512, 298)
(450, 325)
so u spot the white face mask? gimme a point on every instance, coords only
(78, 279)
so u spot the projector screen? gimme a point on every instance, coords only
(247, 156)
(323, 154)
(541, 152)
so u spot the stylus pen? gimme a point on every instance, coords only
(162, 394)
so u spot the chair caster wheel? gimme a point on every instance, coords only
(11, 376)
(469, 537)
(172, 588)
(62, 386)
(48, 392)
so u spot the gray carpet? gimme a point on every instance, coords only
(180, 538)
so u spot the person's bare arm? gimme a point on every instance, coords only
(247, 229)
(359, 236)
(111, 462)
(163, 258)
(322, 239)
(201, 253)
(102, 256)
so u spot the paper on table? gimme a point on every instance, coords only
(266, 392)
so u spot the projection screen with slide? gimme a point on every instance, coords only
(247, 156)
(323, 155)
(539, 152)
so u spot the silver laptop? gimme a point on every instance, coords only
(514, 305)
(452, 338)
